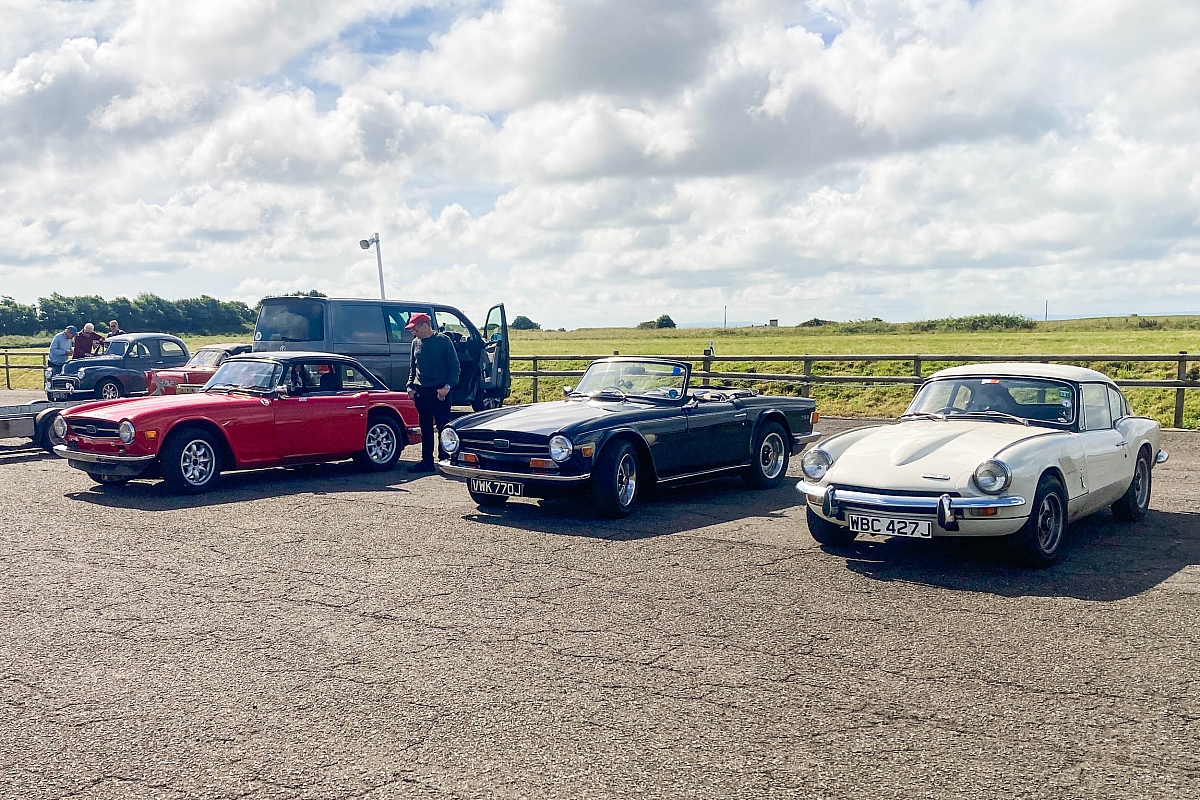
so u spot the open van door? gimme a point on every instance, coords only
(495, 377)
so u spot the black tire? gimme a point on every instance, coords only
(769, 457)
(108, 480)
(1039, 542)
(1134, 504)
(191, 461)
(828, 533)
(43, 434)
(487, 500)
(382, 445)
(616, 479)
(483, 402)
(108, 390)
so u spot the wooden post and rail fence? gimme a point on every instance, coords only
(806, 378)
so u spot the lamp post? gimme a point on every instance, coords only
(365, 244)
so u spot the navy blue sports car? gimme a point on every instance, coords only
(630, 423)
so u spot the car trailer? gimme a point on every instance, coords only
(33, 421)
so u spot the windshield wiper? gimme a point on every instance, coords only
(923, 415)
(999, 416)
(608, 392)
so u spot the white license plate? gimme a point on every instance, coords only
(506, 488)
(188, 388)
(890, 526)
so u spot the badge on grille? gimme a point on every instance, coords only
(501, 444)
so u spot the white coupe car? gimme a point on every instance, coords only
(1013, 450)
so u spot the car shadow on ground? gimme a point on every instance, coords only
(238, 487)
(661, 512)
(1102, 559)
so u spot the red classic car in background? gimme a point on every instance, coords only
(258, 410)
(192, 376)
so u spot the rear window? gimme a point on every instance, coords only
(291, 321)
(169, 349)
(354, 323)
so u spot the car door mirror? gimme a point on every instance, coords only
(567, 390)
(281, 390)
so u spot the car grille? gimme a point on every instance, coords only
(63, 384)
(493, 443)
(94, 428)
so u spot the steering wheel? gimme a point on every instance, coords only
(946, 410)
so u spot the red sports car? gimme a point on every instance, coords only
(258, 410)
(192, 376)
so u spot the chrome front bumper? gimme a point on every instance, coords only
(105, 463)
(460, 471)
(833, 501)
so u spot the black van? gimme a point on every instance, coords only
(373, 332)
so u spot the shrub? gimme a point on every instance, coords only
(522, 323)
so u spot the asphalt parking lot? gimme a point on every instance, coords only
(324, 633)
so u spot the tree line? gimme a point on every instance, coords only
(201, 316)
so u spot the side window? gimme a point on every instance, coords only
(353, 379)
(168, 348)
(1095, 407)
(395, 319)
(358, 323)
(451, 324)
(315, 377)
(1116, 402)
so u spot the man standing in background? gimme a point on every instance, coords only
(86, 341)
(114, 329)
(433, 373)
(60, 349)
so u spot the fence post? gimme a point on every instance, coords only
(1182, 375)
(917, 375)
(535, 380)
(7, 380)
(706, 366)
(805, 389)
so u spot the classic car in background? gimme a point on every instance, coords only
(257, 410)
(1014, 450)
(120, 371)
(192, 376)
(630, 423)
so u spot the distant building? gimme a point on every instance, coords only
(773, 323)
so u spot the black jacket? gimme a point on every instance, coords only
(434, 363)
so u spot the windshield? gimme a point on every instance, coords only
(652, 379)
(207, 358)
(253, 376)
(290, 321)
(1032, 399)
(115, 348)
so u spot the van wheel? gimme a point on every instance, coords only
(191, 461)
(828, 533)
(108, 390)
(381, 447)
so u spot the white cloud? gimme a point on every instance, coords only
(601, 162)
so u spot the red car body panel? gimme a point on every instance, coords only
(260, 430)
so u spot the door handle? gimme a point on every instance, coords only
(1122, 444)
(740, 415)
(350, 407)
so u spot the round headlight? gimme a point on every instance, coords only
(560, 448)
(450, 441)
(993, 477)
(59, 426)
(815, 463)
(49, 373)
(125, 431)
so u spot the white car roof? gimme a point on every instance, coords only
(1060, 372)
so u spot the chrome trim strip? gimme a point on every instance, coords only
(1162, 456)
(703, 473)
(99, 458)
(459, 471)
(847, 497)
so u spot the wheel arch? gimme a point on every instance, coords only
(773, 415)
(382, 410)
(208, 426)
(639, 445)
(1056, 473)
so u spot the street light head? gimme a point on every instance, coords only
(365, 244)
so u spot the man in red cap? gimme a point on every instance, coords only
(432, 373)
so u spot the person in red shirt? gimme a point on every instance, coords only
(87, 341)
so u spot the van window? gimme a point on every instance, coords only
(357, 323)
(395, 319)
(447, 322)
(297, 320)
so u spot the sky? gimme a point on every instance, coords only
(600, 163)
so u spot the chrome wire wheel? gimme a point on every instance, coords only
(381, 443)
(626, 479)
(771, 455)
(1050, 523)
(197, 463)
(1141, 483)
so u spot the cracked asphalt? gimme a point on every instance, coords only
(323, 633)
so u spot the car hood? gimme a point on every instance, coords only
(923, 455)
(142, 407)
(74, 365)
(545, 419)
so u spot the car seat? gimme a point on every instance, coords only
(329, 381)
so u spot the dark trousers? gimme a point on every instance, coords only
(431, 410)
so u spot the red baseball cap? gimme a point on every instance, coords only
(417, 319)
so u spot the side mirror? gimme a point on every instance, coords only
(281, 390)
(567, 390)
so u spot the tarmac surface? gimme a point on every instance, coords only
(328, 634)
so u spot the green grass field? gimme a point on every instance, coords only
(1104, 336)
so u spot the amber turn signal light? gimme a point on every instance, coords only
(151, 434)
(541, 463)
(815, 418)
(587, 450)
(469, 458)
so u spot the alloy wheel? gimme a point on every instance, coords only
(771, 456)
(381, 443)
(626, 480)
(109, 391)
(1050, 523)
(197, 462)
(1141, 482)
